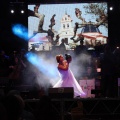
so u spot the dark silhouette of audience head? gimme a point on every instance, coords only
(14, 106)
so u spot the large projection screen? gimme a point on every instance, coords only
(50, 25)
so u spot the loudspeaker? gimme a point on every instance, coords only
(61, 92)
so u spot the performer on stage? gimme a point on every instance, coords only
(67, 77)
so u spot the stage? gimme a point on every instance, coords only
(90, 108)
(65, 107)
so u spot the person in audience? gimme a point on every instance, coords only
(26, 115)
(14, 107)
(16, 73)
(4, 63)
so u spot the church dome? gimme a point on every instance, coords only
(90, 28)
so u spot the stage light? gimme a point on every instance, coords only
(22, 8)
(12, 8)
(20, 31)
(22, 11)
(17, 7)
(12, 11)
(111, 8)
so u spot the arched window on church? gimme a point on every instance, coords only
(63, 25)
(67, 25)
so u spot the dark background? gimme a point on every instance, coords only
(10, 42)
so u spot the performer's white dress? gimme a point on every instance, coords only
(68, 80)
